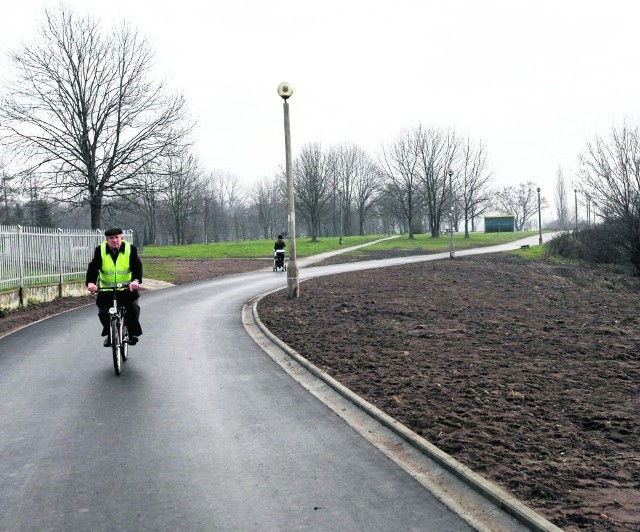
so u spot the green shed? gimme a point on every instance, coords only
(499, 223)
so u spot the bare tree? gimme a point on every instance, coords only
(266, 198)
(399, 163)
(148, 200)
(367, 185)
(312, 185)
(183, 194)
(240, 217)
(359, 179)
(346, 159)
(521, 201)
(473, 183)
(83, 112)
(224, 195)
(610, 174)
(8, 192)
(388, 212)
(436, 151)
(562, 200)
(210, 207)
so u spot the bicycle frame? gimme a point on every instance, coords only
(116, 314)
(117, 329)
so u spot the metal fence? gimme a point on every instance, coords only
(35, 255)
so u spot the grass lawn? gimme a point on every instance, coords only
(428, 244)
(254, 249)
(305, 247)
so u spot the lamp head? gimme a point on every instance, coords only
(450, 172)
(538, 189)
(285, 90)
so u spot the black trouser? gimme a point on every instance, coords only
(130, 303)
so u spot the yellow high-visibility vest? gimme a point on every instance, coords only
(113, 274)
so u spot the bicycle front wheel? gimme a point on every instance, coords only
(124, 346)
(115, 347)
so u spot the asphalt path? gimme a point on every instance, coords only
(202, 431)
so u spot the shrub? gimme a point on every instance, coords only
(593, 244)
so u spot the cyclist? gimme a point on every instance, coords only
(116, 261)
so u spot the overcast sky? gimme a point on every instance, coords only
(534, 80)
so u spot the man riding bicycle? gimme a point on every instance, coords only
(116, 262)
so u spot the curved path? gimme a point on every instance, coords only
(203, 431)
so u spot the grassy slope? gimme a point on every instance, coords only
(305, 247)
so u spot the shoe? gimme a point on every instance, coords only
(107, 342)
(133, 340)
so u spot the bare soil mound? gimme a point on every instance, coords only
(527, 373)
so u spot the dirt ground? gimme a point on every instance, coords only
(528, 373)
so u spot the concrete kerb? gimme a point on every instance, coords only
(485, 488)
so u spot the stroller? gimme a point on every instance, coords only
(278, 261)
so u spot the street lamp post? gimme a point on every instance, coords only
(539, 219)
(340, 199)
(452, 252)
(575, 191)
(285, 90)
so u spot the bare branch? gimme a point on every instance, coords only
(83, 113)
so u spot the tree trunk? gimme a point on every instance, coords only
(410, 221)
(346, 228)
(95, 202)
(314, 228)
(360, 220)
(466, 223)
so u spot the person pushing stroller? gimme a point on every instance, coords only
(278, 254)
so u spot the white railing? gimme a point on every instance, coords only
(35, 255)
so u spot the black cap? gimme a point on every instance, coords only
(113, 231)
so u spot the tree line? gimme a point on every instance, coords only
(88, 136)
(87, 132)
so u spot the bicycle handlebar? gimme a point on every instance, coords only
(113, 289)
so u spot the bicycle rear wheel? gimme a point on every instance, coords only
(115, 347)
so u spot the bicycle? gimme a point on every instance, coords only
(118, 333)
